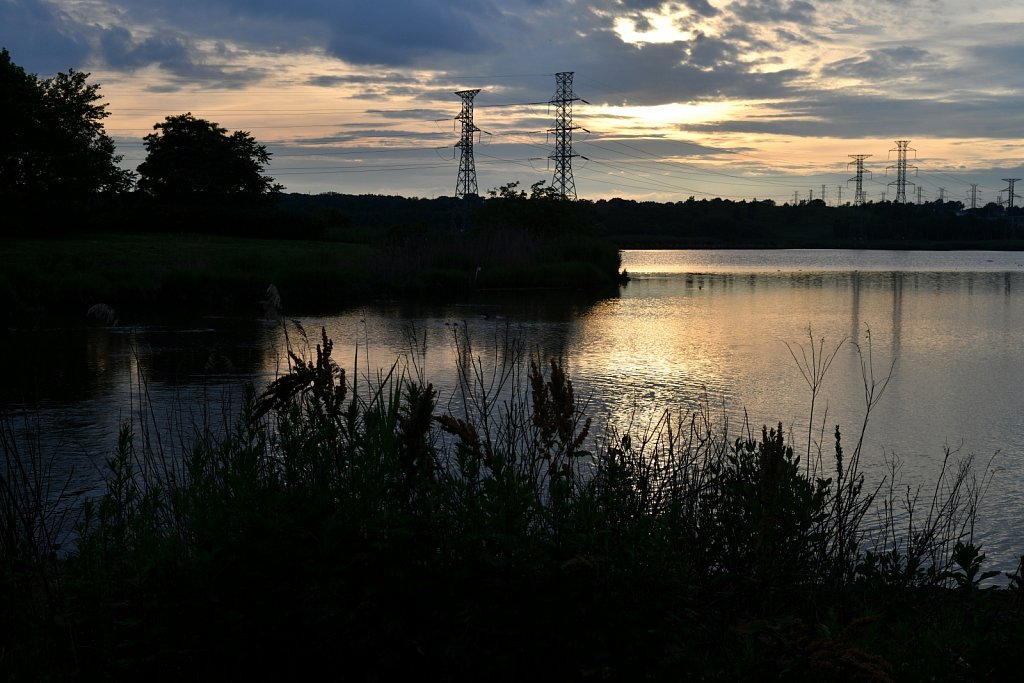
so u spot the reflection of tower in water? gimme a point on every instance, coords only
(856, 285)
(897, 313)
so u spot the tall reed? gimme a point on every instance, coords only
(366, 524)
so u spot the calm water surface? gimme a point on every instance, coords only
(691, 327)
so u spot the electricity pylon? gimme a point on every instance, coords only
(466, 185)
(1009, 190)
(858, 161)
(901, 150)
(974, 195)
(562, 180)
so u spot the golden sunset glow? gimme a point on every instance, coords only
(730, 98)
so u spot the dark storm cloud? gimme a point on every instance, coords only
(41, 38)
(401, 33)
(395, 33)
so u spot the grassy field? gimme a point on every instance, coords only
(138, 273)
(132, 273)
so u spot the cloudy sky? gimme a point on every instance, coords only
(732, 98)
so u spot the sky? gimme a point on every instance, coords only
(740, 99)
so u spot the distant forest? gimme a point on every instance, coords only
(693, 223)
(704, 223)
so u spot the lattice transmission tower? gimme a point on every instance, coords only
(974, 195)
(858, 163)
(901, 182)
(466, 185)
(1010, 192)
(562, 182)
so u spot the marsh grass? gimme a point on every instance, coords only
(351, 520)
(135, 272)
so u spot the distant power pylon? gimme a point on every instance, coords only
(562, 180)
(920, 193)
(466, 185)
(974, 195)
(839, 195)
(1009, 191)
(901, 150)
(824, 197)
(858, 161)
(942, 195)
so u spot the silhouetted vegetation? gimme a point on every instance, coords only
(53, 148)
(195, 160)
(365, 530)
(436, 247)
(705, 223)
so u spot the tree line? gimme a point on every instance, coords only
(54, 149)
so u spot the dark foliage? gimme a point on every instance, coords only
(334, 529)
(196, 160)
(53, 147)
(705, 223)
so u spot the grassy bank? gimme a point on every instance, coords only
(136, 273)
(363, 530)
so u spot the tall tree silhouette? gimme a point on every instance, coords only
(189, 158)
(52, 143)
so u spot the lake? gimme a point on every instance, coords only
(714, 328)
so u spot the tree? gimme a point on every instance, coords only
(52, 143)
(193, 159)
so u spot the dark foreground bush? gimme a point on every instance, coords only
(360, 530)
